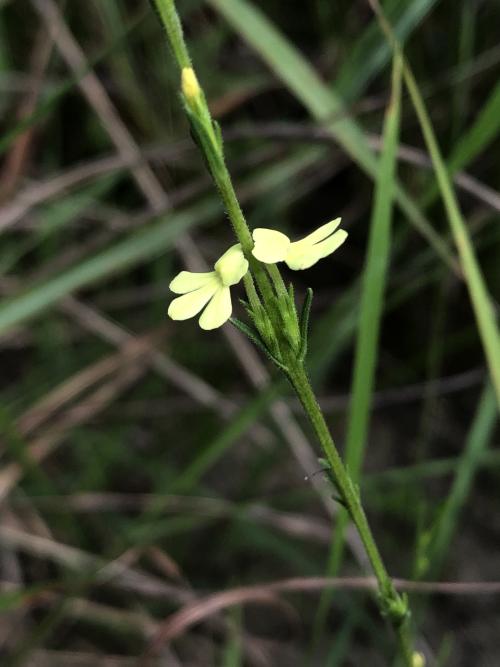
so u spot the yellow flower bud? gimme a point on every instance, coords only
(418, 660)
(190, 85)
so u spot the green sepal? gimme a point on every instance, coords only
(211, 154)
(245, 304)
(329, 473)
(196, 131)
(395, 606)
(326, 470)
(254, 336)
(263, 327)
(249, 312)
(304, 324)
(218, 134)
(339, 500)
(289, 330)
(293, 306)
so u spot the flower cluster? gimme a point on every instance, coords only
(210, 292)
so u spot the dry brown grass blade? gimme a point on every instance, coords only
(40, 192)
(203, 393)
(300, 526)
(406, 154)
(115, 573)
(131, 350)
(18, 156)
(198, 611)
(195, 612)
(121, 620)
(43, 445)
(50, 188)
(96, 95)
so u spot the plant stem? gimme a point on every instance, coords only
(235, 214)
(171, 22)
(213, 152)
(392, 605)
(223, 181)
(390, 600)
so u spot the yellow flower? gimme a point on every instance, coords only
(208, 291)
(272, 246)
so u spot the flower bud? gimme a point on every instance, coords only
(418, 660)
(190, 86)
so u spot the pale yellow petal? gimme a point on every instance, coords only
(186, 281)
(322, 232)
(232, 266)
(303, 256)
(270, 246)
(190, 304)
(332, 243)
(218, 310)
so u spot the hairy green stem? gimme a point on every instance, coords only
(206, 133)
(171, 22)
(278, 312)
(393, 606)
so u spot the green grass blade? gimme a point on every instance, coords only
(373, 286)
(132, 250)
(371, 53)
(476, 445)
(233, 653)
(323, 103)
(480, 298)
(483, 131)
(372, 296)
(467, 27)
(478, 292)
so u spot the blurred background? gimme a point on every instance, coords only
(156, 481)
